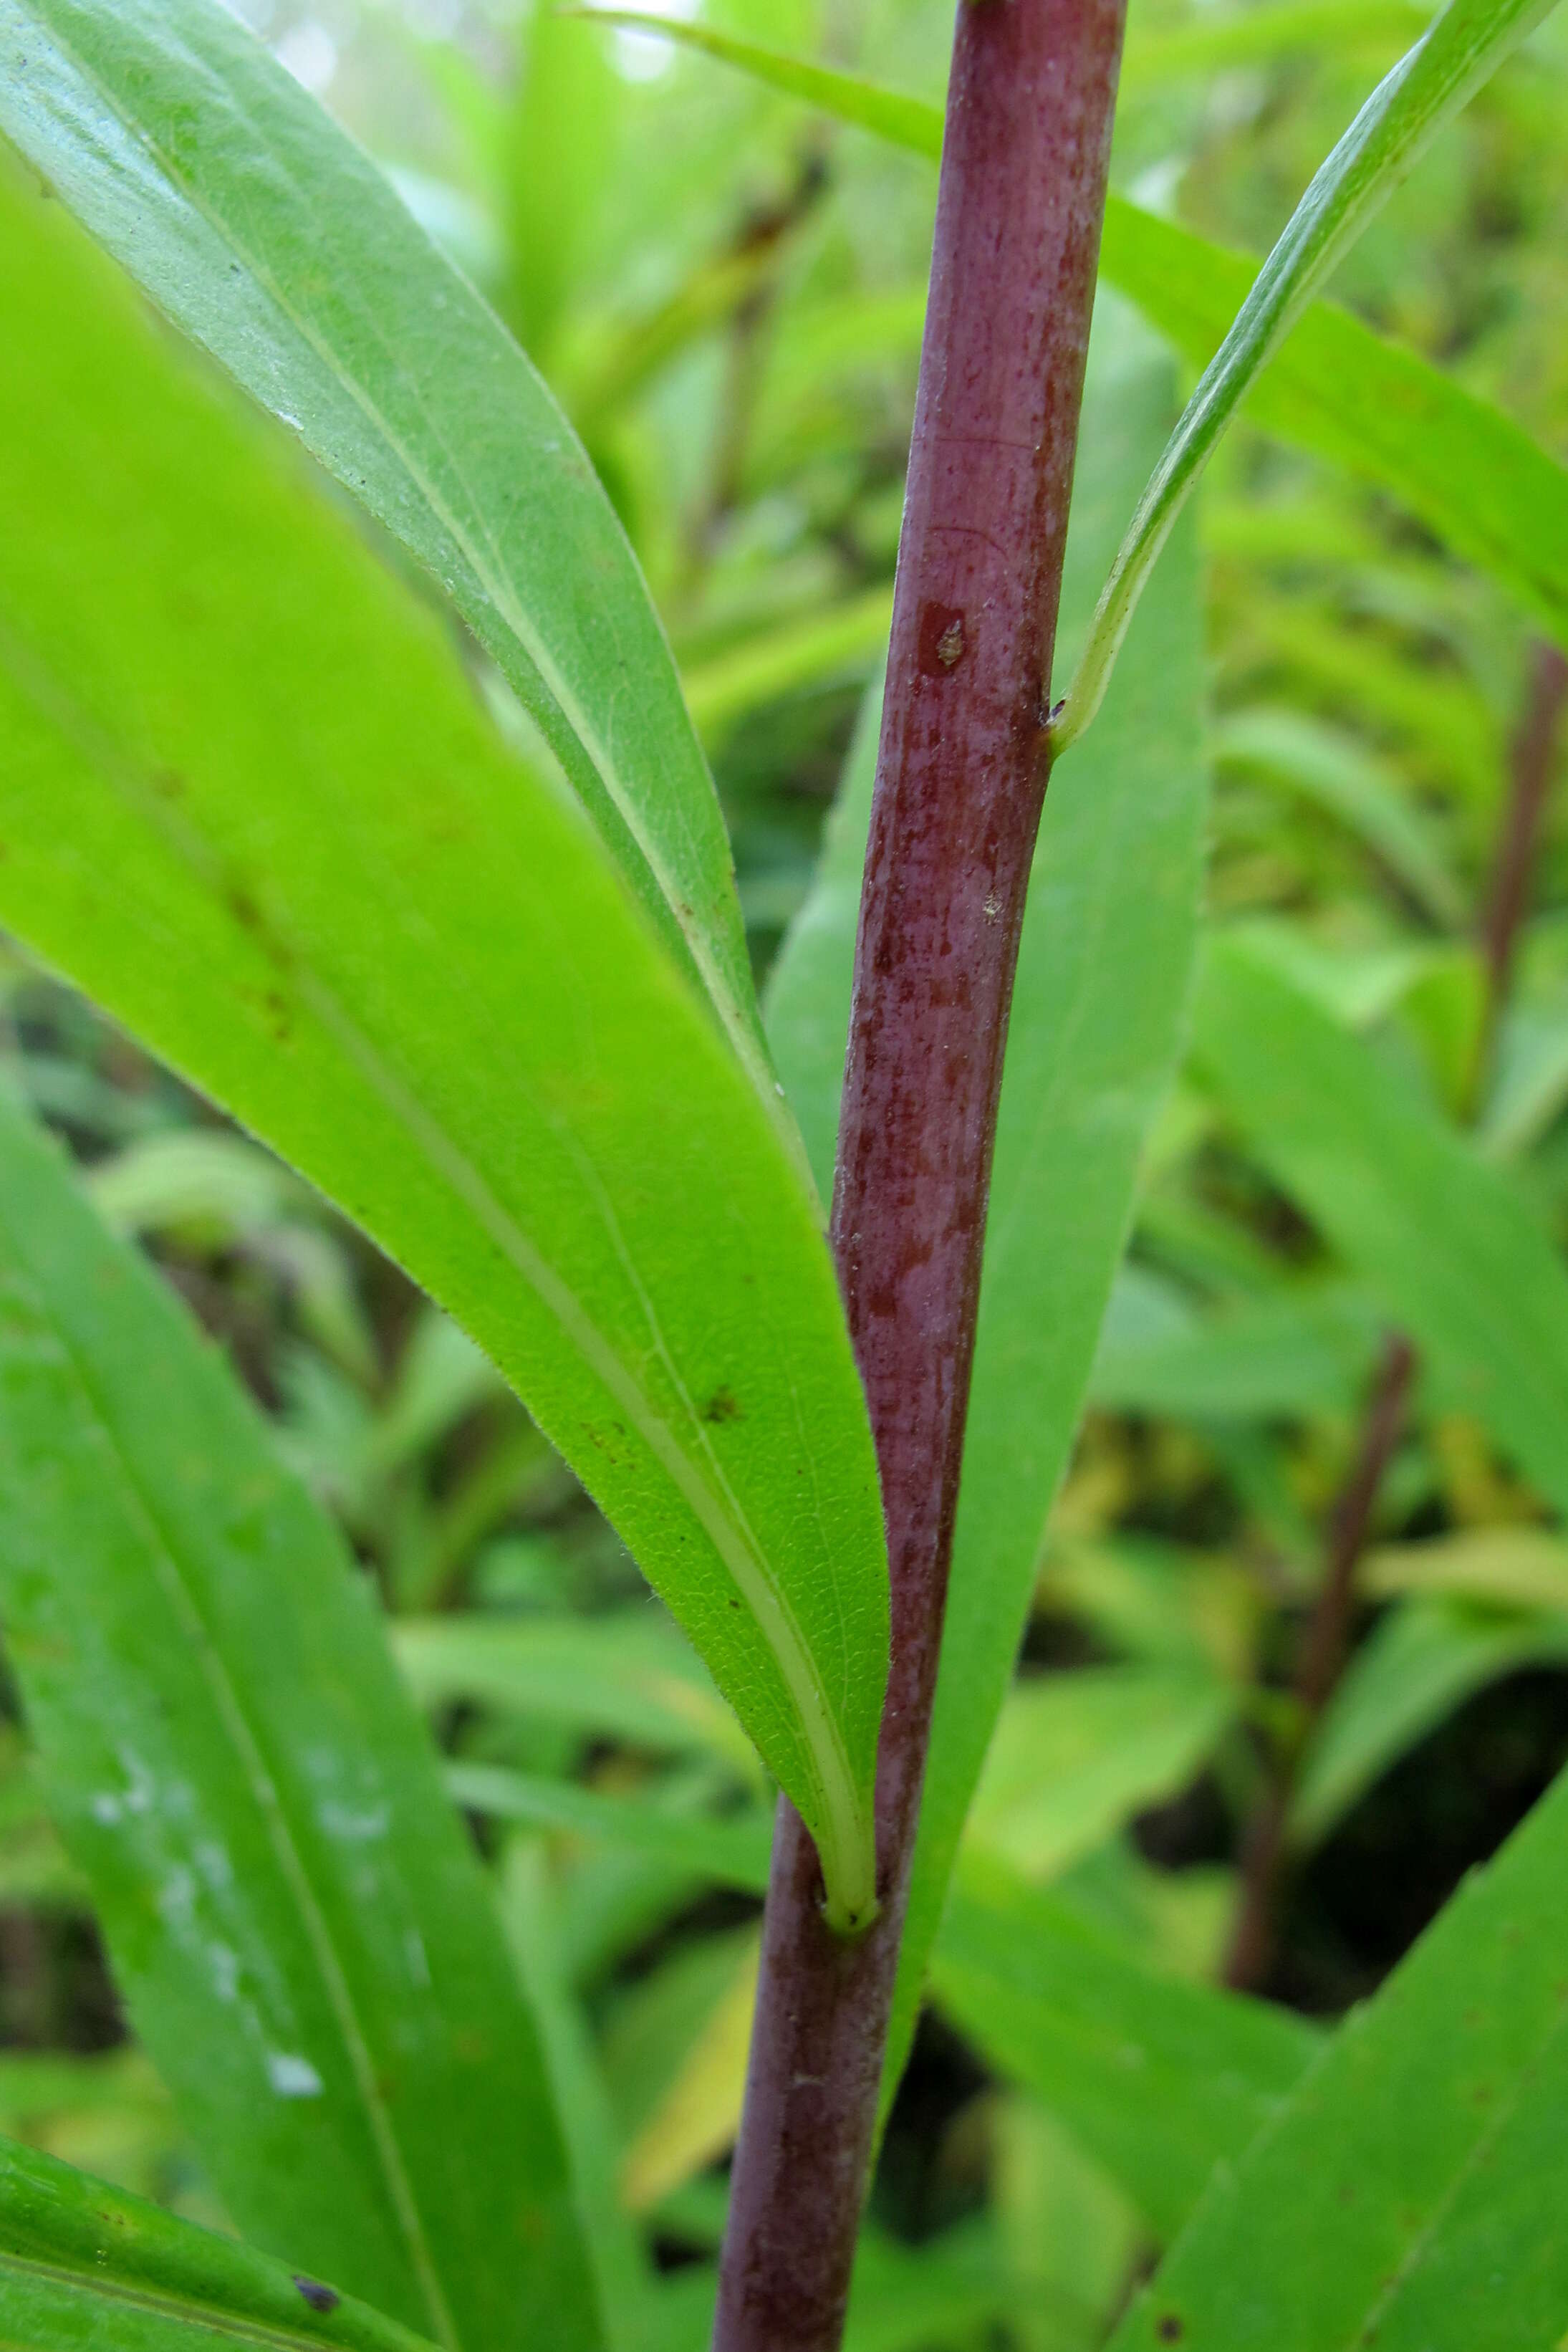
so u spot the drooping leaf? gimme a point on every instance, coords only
(1159, 2080)
(1457, 54)
(1414, 1669)
(304, 1941)
(83, 2265)
(1410, 2194)
(1332, 386)
(268, 236)
(1436, 1234)
(249, 805)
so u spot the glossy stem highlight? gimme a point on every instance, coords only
(960, 781)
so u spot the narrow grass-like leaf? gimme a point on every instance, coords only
(1158, 2079)
(621, 2262)
(782, 660)
(1332, 387)
(83, 2265)
(911, 122)
(249, 804)
(1337, 774)
(1415, 1669)
(266, 235)
(622, 1676)
(1342, 393)
(1304, 1351)
(1426, 90)
(1439, 1235)
(1410, 2195)
(697, 2115)
(1497, 1567)
(725, 1850)
(306, 1945)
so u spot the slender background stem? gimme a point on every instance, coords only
(1321, 1660)
(1265, 1858)
(961, 778)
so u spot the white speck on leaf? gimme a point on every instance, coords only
(292, 2077)
(355, 1827)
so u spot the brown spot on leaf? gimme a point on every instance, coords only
(319, 2297)
(1169, 2328)
(721, 1406)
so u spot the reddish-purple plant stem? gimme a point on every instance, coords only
(960, 780)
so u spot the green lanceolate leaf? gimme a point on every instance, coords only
(1415, 1669)
(1102, 972)
(1426, 90)
(249, 805)
(1338, 390)
(1439, 1236)
(1331, 385)
(1410, 2194)
(1158, 2079)
(265, 233)
(305, 1944)
(82, 2264)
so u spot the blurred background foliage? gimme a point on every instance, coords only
(1300, 1652)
